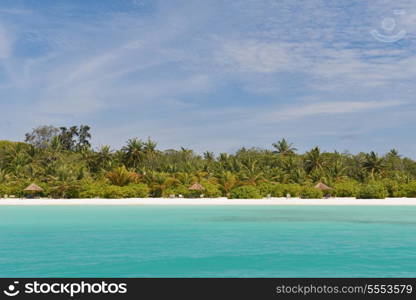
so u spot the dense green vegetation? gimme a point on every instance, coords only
(63, 163)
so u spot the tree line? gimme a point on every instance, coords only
(63, 162)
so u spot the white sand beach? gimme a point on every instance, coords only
(215, 201)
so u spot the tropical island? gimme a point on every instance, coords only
(61, 163)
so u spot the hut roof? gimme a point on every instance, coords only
(196, 187)
(322, 186)
(33, 188)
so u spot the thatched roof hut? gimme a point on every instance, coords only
(196, 187)
(33, 188)
(322, 186)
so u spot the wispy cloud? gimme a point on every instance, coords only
(6, 43)
(256, 56)
(326, 108)
(15, 11)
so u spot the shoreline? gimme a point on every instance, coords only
(213, 202)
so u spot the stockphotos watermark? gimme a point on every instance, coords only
(71, 289)
(390, 32)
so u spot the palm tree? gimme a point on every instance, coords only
(186, 153)
(393, 153)
(151, 153)
(133, 153)
(84, 136)
(337, 170)
(158, 182)
(4, 176)
(104, 158)
(209, 156)
(228, 181)
(16, 159)
(67, 137)
(284, 148)
(184, 178)
(121, 176)
(314, 160)
(201, 175)
(149, 146)
(250, 174)
(394, 161)
(373, 164)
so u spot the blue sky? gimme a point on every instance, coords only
(213, 75)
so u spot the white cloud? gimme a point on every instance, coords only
(256, 56)
(15, 11)
(6, 43)
(329, 108)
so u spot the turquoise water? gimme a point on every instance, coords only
(155, 241)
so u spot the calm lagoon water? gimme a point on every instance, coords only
(157, 241)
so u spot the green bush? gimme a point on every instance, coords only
(311, 193)
(409, 190)
(245, 192)
(212, 190)
(128, 191)
(293, 189)
(402, 191)
(278, 190)
(92, 190)
(177, 190)
(266, 188)
(115, 192)
(281, 190)
(346, 189)
(136, 190)
(373, 190)
(62, 189)
(168, 192)
(4, 190)
(393, 188)
(194, 193)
